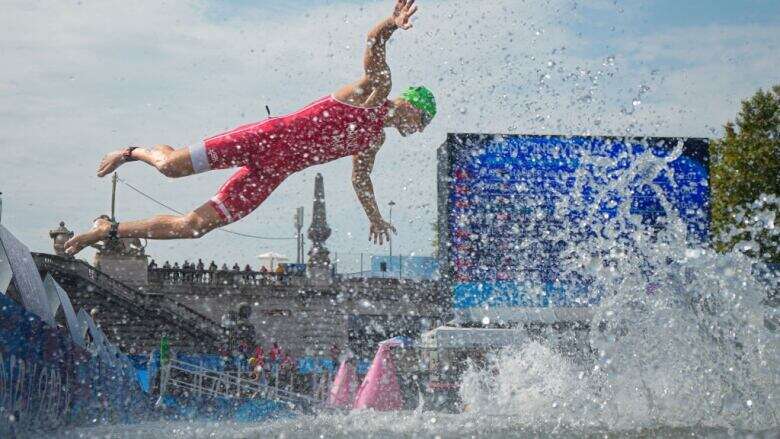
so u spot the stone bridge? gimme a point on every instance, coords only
(303, 315)
(307, 316)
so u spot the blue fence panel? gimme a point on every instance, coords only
(77, 386)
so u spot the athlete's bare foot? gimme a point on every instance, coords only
(110, 162)
(98, 232)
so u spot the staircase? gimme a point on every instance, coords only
(131, 319)
(318, 331)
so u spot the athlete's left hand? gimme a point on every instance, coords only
(379, 230)
(404, 9)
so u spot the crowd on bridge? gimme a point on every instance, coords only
(198, 272)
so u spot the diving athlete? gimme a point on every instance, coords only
(349, 122)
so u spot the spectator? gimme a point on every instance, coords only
(275, 354)
(279, 273)
(199, 271)
(212, 272)
(243, 347)
(263, 277)
(259, 355)
(167, 265)
(176, 272)
(334, 353)
(249, 275)
(287, 368)
(257, 372)
(224, 267)
(236, 267)
(152, 265)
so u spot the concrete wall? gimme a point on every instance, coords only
(306, 321)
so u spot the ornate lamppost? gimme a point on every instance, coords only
(60, 235)
(319, 256)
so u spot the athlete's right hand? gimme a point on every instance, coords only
(404, 9)
(379, 230)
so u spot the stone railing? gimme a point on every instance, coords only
(178, 276)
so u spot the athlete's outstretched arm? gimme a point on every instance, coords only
(362, 164)
(377, 72)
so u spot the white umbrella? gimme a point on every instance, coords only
(272, 258)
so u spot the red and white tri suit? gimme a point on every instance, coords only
(270, 150)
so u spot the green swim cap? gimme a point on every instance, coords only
(422, 98)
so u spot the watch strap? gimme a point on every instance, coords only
(113, 231)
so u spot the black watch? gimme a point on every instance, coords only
(128, 154)
(113, 231)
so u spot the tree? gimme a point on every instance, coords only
(745, 177)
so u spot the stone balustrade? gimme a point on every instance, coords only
(179, 276)
(235, 278)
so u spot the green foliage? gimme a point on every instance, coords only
(745, 178)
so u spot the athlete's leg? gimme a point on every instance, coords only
(239, 196)
(171, 162)
(192, 225)
(240, 147)
(246, 190)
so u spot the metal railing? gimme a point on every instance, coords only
(182, 316)
(182, 377)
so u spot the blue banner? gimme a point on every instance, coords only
(47, 381)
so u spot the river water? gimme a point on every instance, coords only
(397, 425)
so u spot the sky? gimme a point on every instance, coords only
(82, 78)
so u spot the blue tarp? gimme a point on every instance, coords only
(222, 409)
(362, 367)
(307, 365)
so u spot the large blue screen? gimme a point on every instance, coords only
(501, 209)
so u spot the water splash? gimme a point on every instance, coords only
(681, 338)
